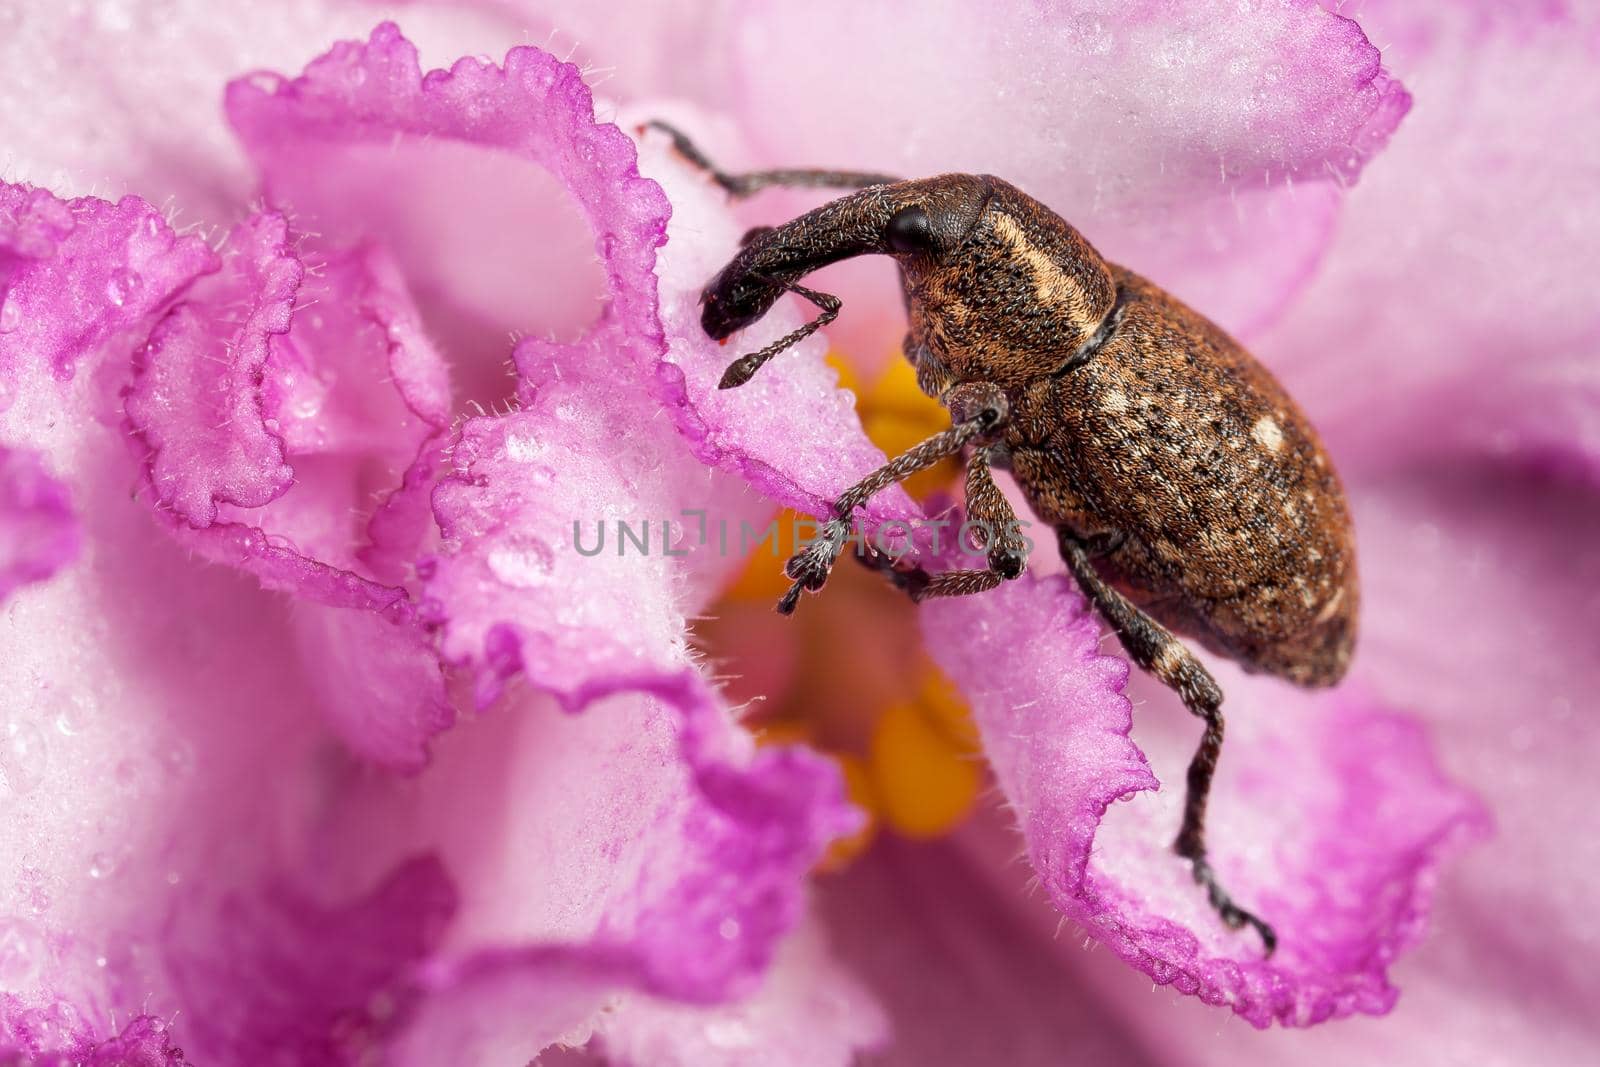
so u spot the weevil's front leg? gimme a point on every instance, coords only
(1154, 648)
(990, 511)
(978, 410)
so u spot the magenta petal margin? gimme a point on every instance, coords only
(74, 273)
(1330, 817)
(38, 532)
(509, 593)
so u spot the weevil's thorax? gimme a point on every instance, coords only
(1015, 299)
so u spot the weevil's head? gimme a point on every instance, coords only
(914, 221)
(933, 221)
(999, 287)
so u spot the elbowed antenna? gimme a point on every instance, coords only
(772, 262)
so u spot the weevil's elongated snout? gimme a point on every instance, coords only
(774, 259)
(918, 222)
(733, 301)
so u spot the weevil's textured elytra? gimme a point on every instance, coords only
(1189, 493)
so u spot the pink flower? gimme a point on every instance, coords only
(294, 595)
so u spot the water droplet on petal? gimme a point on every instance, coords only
(23, 757)
(523, 449)
(10, 315)
(21, 954)
(307, 407)
(523, 562)
(123, 286)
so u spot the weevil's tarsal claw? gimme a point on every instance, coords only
(1233, 916)
(790, 600)
(810, 568)
(1269, 936)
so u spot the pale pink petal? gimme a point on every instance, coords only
(1175, 137)
(1181, 140)
(1456, 313)
(157, 818)
(1329, 815)
(1141, 100)
(808, 1012)
(38, 532)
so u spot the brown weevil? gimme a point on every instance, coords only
(1188, 492)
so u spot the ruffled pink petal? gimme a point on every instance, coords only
(38, 532)
(233, 385)
(691, 901)
(144, 1042)
(537, 111)
(1329, 815)
(1175, 137)
(1443, 323)
(74, 273)
(1473, 586)
(331, 980)
(516, 596)
(196, 399)
(362, 144)
(163, 767)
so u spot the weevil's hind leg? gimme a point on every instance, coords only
(740, 186)
(1156, 650)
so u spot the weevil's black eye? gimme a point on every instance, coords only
(909, 230)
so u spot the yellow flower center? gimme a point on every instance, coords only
(847, 674)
